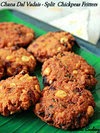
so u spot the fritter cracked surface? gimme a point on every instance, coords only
(18, 93)
(51, 44)
(13, 34)
(17, 60)
(65, 105)
(69, 67)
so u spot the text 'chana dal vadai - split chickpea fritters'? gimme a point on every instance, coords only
(65, 101)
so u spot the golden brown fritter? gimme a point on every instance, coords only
(18, 93)
(51, 44)
(65, 105)
(13, 34)
(17, 60)
(69, 67)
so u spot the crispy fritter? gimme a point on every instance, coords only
(51, 44)
(69, 67)
(18, 93)
(17, 60)
(65, 105)
(13, 34)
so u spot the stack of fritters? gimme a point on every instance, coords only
(65, 101)
(18, 90)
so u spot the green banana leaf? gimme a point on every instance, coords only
(28, 122)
